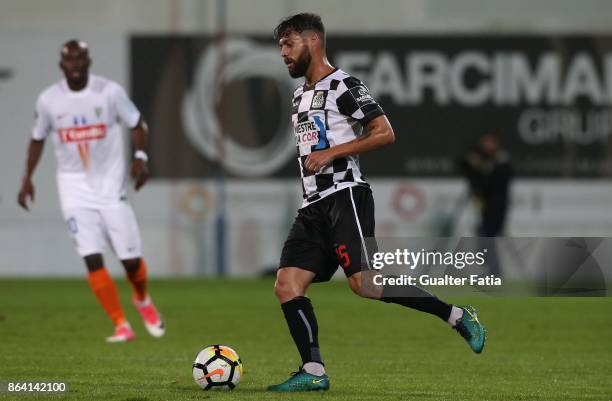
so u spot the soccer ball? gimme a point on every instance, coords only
(217, 367)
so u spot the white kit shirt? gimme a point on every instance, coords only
(88, 139)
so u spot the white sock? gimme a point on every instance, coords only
(456, 314)
(314, 368)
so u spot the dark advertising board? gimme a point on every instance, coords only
(215, 104)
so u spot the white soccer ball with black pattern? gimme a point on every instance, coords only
(217, 367)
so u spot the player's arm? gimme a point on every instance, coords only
(129, 114)
(42, 127)
(378, 132)
(139, 170)
(35, 149)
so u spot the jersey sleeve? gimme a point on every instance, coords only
(42, 121)
(125, 108)
(354, 100)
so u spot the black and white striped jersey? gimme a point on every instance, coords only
(332, 112)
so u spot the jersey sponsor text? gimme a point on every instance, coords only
(83, 134)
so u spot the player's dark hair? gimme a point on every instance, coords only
(299, 23)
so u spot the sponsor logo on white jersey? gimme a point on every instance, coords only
(83, 134)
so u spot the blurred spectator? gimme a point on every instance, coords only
(488, 171)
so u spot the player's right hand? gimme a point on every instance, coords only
(139, 173)
(27, 190)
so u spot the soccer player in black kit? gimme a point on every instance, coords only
(335, 119)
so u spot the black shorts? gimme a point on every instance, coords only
(330, 233)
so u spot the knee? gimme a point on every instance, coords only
(283, 290)
(292, 282)
(131, 265)
(288, 286)
(94, 262)
(355, 284)
(361, 286)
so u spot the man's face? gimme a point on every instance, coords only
(295, 53)
(489, 144)
(75, 63)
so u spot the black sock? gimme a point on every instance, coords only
(416, 298)
(303, 328)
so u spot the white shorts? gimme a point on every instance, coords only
(93, 229)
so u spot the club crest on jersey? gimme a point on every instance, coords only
(318, 100)
(98, 111)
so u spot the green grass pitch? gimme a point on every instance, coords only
(537, 348)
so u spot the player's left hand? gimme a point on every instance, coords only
(318, 160)
(139, 173)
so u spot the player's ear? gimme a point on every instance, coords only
(314, 38)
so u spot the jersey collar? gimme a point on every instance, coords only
(306, 87)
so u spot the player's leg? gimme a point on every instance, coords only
(122, 229)
(85, 226)
(463, 319)
(353, 223)
(103, 287)
(136, 271)
(290, 289)
(302, 261)
(409, 296)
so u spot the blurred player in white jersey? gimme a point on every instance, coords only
(81, 113)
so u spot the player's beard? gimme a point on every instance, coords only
(77, 77)
(301, 64)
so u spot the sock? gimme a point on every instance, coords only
(416, 298)
(303, 327)
(314, 368)
(138, 280)
(105, 290)
(456, 314)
